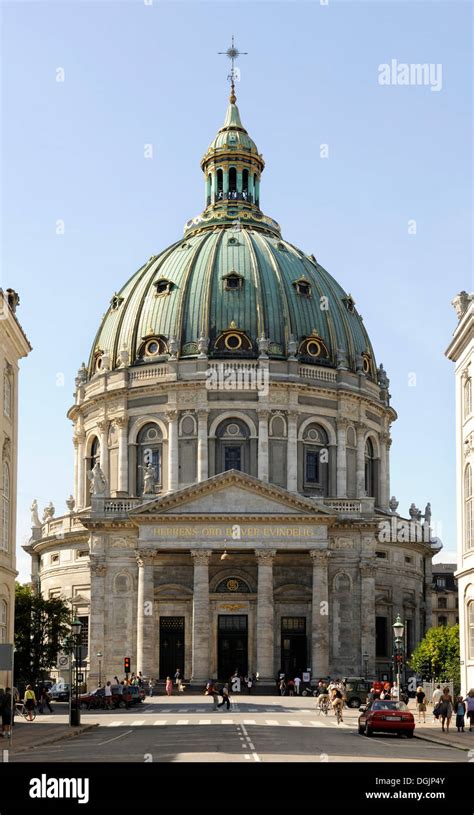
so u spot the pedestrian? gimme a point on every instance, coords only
(178, 678)
(282, 687)
(460, 708)
(421, 704)
(435, 700)
(249, 685)
(225, 693)
(211, 690)
(29, 700)
(446, 708)
(470, 708)
(297, 681)
(6, 711)
(108, 695)
(169, 686)
(150, 686)
(291, 687)
(44, 700)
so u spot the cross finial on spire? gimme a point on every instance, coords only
(233, 53)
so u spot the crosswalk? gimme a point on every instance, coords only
(228, 721)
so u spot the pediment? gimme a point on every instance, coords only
(231, 493)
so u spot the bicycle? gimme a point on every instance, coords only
(21, 710)
(338, 712)
(323, 705)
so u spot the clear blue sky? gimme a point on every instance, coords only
(138, 74)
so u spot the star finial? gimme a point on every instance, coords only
(232, 53)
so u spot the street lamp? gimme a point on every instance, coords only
(99, 657)
(398, 632)
(76, 628)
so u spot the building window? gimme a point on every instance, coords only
(303, 287)
(468, 509)
(293, 625)
(381, 555)
(233, 281)
(442, 620)
(5, 508)
(442, 602)
(369, 468)
(311, 467)
(408, 559)
(232, 457)
(163, 286)
(149, 453)
(380, 636)
(54, 559)
(233, 452)
(315, 457)
(467, 397)
(7, 393)
(440, 582)
(3, 621)
(55, 594)
(83, 553)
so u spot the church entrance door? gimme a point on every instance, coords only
(232, 642)
(171, 646)
(293, 646)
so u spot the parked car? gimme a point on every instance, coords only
(385, 716)
(121, 697)
(60, 692)
(357, 691)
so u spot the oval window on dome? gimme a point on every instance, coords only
(233, 342)
(152, 348)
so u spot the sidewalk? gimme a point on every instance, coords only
(27, 735)
(431, 731)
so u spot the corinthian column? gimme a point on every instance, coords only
(145, 614)
(341, 458)
(265, 615)
(203, 456)
(360, 461)
(368, 570)
(383, 491)
(103, 428)
(81, 467)
(320, 614)
(173, 454)
(97, 642)
(122, 425)
(201, 619)
(292, 452)
(263, 445)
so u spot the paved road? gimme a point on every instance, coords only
(264, 729)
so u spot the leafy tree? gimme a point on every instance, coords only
(40, 627)
(438, 654)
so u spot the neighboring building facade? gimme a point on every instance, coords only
(238, 431)
(445, 609)
(461, 352)
(13, 346)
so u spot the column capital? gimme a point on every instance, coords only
(103, 425)
(171, 415)
(265, 556)
(292, 414)
(319, 557)
(79, 437)
(121, 421)
(98, 569)
(201, 557)
(145, 558)
(263, 413)
(361, 429)
(202, 413)
(342, 423)
(368, 568)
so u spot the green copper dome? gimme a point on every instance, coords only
(233, 287)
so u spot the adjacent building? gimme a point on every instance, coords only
(231, 503)
(445, 609)
(461, 352)
(13, 346)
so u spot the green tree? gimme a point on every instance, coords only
(40, 627)
(438, 654)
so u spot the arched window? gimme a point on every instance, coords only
(220, 183)
(470, 629)
(7, 393)
(245, 184)
(468, 509)
(5, 508)
(316, 458)
(149, 452)
(467, 397)
(94, 457)
(233, 451)
(369, 469)
(3, 620)
(255, 189)
(232, 180)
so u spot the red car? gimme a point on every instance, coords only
(385, 716)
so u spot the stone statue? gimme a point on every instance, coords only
(382, 377)
(393, 504)
(359, 363)
(149, 478)
(70, 503)
(341, 358)
(415, 513)
(461, 303)
(427, 515)
(203, 345)
(263, 346)
(292, 347)
(35, 521)
(123, 358)
(105, 363)
(98, 480)
(173, 347)
(48, 512)
(81, 377)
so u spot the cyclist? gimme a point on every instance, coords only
(337, 701)
(323, 698)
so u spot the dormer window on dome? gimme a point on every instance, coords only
(163, 286)
(349, 303)
(233, 281)
(303, 287)
(153, 346)
(116, 302)
(367, 364)
(232, 341)
(313, 348)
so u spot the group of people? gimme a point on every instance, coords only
(211, 689)
(444, 706)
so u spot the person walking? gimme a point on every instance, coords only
(291, 687)
(211, 690)
(44, 700)
(225, 697)
(249, 683)
(435, 700)
(178, 678)
(108, 695)
(460, 708)
(470, 708)
(6, 711)
(29, 700)
(421, 704)
(169, 686)
(282, 687)
(150, 686)
(297, 681)
(446, 707)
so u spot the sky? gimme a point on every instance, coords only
(386, 207)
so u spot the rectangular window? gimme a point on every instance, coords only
(381, 555)
(312, 467)
(442, 602)
(441, 582)
(442, 620)
(54, 559)
(232, 622)
(408, 559)
(232, 458)
(380, 636)
(293, 625)
(83, 553)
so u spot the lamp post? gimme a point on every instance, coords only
(398, 631)
(76, 627)
(99, 657)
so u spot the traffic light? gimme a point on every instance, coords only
(126, 665)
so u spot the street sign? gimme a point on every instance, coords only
(63, 662)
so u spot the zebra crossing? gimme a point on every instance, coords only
(315, 723)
